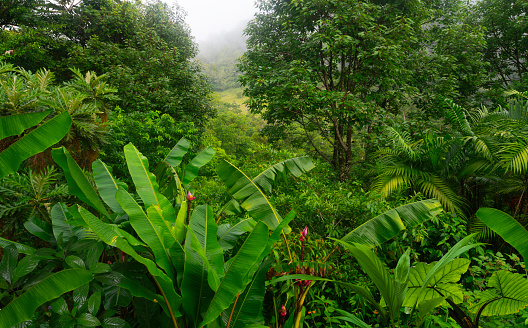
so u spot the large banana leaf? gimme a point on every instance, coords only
(295, 166)
(267, 178)
(21, 248)
(175, 156)
(106, 185)
(169, 181)
(250, 197)
(247, 310)
(198, 280)
(23, 307)
(389, 224)
(508, 294)
(151, 232)
(233, 281)
(14, 125)
(507, 227)
(228, 234)
(32, 143)
(204, 227)
(191, 170)
(78, 184)
(145, 182)
(392, 292)
(442, 284)
(109, 236)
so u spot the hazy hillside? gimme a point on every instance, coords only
(219, 55)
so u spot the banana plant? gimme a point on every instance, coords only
(387, 225)
(34, 142)
(181, 249)
(424, 286)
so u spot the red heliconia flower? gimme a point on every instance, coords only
(283, 311)
(190, 197)
(304, 233)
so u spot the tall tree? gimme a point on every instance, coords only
(506, 23)
(332, 66)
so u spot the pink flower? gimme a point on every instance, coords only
(190, 197)
(304, 233)
(283, 311)
(303, 283)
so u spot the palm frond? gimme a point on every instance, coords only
(475, 225)
(433, 186)
(457, 116)
(402, 143)
(514, 156)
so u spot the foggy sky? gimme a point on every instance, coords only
(212, 17)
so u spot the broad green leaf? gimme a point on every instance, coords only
(9, 263)
(442, 284)
(21, 248)
(23, 307)
(179, 226)
(228, 234)
(389, 224)
(191, 170)
(507, 227)
(106, 185)
(351, 318)
(249, 305)
(109, 236)
(425, 307)
(391, 291)
(205, 229)
(61, 227)
(250, 197)
(33, 143)
(94, 302)
(115, 322)
(137, 290)
(145, 182)
(80, 296)
(87, 320)
(459, 248)
(94, 254)
(40, 228)
(152, 233)
(233, 281)
(78, 184)
(26, 265)
(508, 294)
(75, 262)
(14, 125)
(266, 179)
(196, 284)
(175, 156)
(295, 166)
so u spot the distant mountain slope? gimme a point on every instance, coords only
(220, 54)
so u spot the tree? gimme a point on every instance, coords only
(506, 24)
(331, 66)
(145, 50)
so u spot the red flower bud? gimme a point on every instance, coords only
(190, 197)
(304, 233)
(283, 311)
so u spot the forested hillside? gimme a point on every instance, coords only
(331, 163)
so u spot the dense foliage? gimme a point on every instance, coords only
(124, 202)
